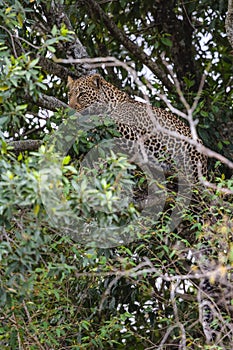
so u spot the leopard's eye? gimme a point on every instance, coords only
(81, 93)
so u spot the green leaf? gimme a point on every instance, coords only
(3, 120)
(54, 30)
(166, 42)
(4, 88)
(21, 107)
(33, 63)
(20, 19)
(66, 160)
(51, 49)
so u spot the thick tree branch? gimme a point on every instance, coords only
(229, 22)
(55, 69)
(25, 145)
(48, 102)
(97, 13)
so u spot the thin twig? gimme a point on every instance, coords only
(140, 270)
(199, 92)
(189, 112)
(12, 40)
(175, 310)
(119, 276)
(18, 333)
(34, 336)
(27, 42)
(176, 81)
(160, 347)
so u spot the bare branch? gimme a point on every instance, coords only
(198, 95)
(176, 81)
(161, 345)
(174, 286)
(229, 22)
(12, 40)
(108, 61)
(146, 267)
(189, 115)
(119, 276)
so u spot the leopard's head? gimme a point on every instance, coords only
(91, 89)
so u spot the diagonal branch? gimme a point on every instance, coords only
(47, 102)
(96, 12)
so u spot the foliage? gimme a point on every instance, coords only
(55, 291)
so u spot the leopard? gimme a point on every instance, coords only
(159, 135)
(157, 132)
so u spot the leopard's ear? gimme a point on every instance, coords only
(70, 82)
(96, 81)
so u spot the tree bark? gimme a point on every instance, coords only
(55, 69)
(229, 22)
(25, 145)
(48, 102)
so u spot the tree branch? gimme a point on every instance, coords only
(25, 145)
(48, 102)
(55, 69)
(97, 13)
(229, 22)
